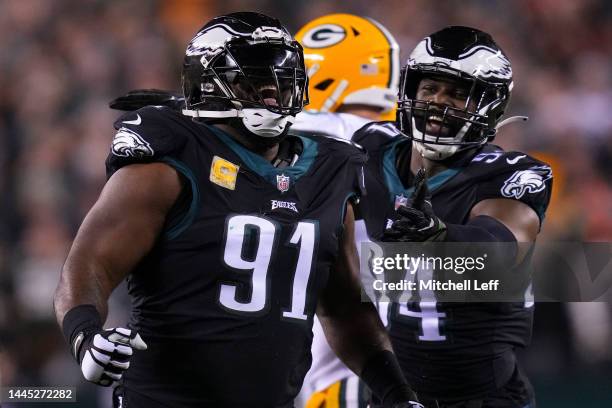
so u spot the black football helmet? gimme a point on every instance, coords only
(467, 56)
(242, 61)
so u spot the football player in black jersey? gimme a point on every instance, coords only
(453, 93)
(231, 236)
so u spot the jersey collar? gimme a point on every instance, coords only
(263, 167)
(392, 180)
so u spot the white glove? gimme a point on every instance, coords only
(105, 355)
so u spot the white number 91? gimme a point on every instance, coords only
(304, 235)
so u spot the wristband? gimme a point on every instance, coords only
(78, 323)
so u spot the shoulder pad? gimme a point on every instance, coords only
(146, 135)
(147, 132)
(139, 98)
(376, 134)
(335, 140)
(341, 148)
(513, 175)
(498, 160)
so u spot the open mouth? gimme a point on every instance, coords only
(435, 125)
(268, 94)
(442, 124)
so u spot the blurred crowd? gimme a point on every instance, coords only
(61, 62)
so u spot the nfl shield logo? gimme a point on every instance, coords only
(282, 183)
(400, 200)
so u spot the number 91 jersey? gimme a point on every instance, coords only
(225, 299)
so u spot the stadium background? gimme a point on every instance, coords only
(62, 61)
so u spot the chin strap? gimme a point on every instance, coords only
(511, 119)
(230, 113)
(233, 113)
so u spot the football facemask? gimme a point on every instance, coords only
(470, 59)
(234, 68)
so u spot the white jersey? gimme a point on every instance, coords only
(340, 125)
(326, 367)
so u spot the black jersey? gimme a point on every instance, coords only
(225, 299)
(453, 350)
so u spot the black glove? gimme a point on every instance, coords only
(399, 398)
(397, 402)
(139, 98)
(417, 221)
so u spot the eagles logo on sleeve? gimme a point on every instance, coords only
(532, 181)
(128, 143)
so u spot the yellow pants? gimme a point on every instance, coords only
(347, 393)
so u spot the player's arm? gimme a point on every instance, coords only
(491, 220)
(353, 328)
(517, 217)
(118, 231)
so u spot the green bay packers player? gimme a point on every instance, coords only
(353, 68)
